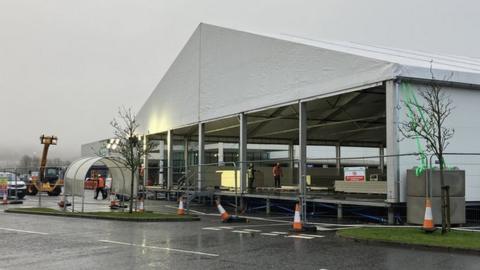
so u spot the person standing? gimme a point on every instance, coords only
(100, 187)
(277, 173)
(251, 176)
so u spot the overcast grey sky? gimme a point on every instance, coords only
(66, 66)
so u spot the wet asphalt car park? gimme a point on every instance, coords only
(47, 242)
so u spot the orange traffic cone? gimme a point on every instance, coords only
(223, 214)
(141, 207)
(113, 201)
(5, 199)
(181, 210)
(428, 225)
(297, 223)
(61, 203)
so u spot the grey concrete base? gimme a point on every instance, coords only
(416, 210)
(454, 178)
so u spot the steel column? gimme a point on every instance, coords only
(201, 155)
(169, 160)
(291, 162)
(338, 155)
(161, 148)
(243, 151)
(392, 114)
(381, 163)
(145, 161)
(302, 166)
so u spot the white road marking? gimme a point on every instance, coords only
(313, 235)
(226, 228)
(23, 231)
(299, 236)
(319, 228)
(240, 231)
(251, 230)
(211, 229)
(280, 232)
(269, 234)
(160, 248)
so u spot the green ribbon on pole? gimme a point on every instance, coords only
(411, 101)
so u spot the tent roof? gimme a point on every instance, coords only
(406, 58)
(221, 72)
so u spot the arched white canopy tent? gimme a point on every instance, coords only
(77, 172)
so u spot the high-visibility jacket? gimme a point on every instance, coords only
(101, 182)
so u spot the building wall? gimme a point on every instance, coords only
(466, 122)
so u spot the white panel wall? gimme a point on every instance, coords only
(466, 122)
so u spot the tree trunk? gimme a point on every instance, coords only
(443, 196)
(131, 192)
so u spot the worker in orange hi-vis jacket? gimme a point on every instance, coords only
(100, 187)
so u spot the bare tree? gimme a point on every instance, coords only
(130, 146)
(427, 121)
(25, 164)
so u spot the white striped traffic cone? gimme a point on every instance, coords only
(223, 214)
(297, 222)
(428, 225)
(181, 209)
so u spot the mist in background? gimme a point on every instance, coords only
(67, 66)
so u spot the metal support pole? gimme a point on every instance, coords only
(243, 151)
(291, 164)
(382, 159)
(201, 155)
(267, 206)
(161, 177)
(338, 155)
(391, 215)
(220, 156)
(339, 211)
(185, 158)
(236, 187)
(393, 162)
(169, 160)
(302, 166)
(145, 162)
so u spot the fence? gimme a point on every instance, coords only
(322, 177)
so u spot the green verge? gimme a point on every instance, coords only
(124, 216)
(455, 240)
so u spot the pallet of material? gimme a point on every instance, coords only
(369, 187)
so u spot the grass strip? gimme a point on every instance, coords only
(124, 216)
(415, 236)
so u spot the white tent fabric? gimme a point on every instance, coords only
(77, 172)
(221, 72)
